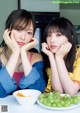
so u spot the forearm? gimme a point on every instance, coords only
(32, 80)
(27, 67)
(56, 84)
(12, 62)
(7, 84)
(68, 85)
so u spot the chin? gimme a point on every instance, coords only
(53, 51)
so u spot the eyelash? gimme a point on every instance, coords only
(30, 33)
(48, 35)
(58, 34)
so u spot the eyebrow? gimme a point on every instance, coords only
(49, 32)
(29, 29)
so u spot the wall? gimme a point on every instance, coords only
(39, 5)
(6, 6)
(72, 12)
(73, 15)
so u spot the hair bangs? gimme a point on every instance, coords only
(22, 23)
(54, 29)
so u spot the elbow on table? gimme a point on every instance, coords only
(71, 91)
(42, 88)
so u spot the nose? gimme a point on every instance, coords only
(53, 39)
(23, 35)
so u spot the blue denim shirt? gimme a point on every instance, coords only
(34, 80)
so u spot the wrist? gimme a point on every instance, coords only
(23, 51)
(58, 57)
(51, 56)
(16, 52)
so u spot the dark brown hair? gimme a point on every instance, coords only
(66, 28)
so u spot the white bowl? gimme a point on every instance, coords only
(29, 98)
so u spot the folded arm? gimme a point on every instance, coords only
(7, 84)
(35, 79)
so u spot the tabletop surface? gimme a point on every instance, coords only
(10, 105)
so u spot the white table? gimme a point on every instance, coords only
(15, 107)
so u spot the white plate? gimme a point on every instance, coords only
(57, 108)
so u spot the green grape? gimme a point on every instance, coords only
(54, 104)
(57, 100)
(62, 102)
(45, 104)
(57, 94)
(75, 100)
(51, 100)
(50, 97)
(45, 101)
(77, 97)
(58, 105)
(71, 100)
(41, 100)
(67, 103)
(44, 95)
(48, 104)
(54, 99)
(51, 94)
(41, 96)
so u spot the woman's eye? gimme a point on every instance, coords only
(30, 33)
(48, 35)
(59, 34)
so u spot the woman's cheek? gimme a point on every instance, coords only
(14, 35)
(47, 41)
(28, 39)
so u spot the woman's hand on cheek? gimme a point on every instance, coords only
(10, 41)
(15, 46)
(64, 49)
(6, 37)
(29, 45)
(45, 49)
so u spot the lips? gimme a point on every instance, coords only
(53, 46)
(21, 43)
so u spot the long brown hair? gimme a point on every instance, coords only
(19, 20)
